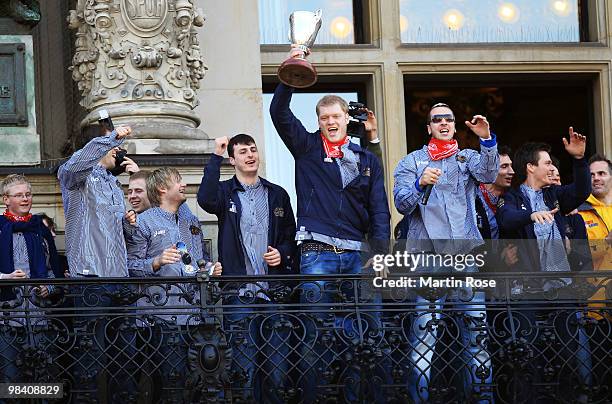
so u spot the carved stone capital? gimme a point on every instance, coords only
(140, 52)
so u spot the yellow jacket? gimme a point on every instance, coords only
(598, 220)
(597, 217)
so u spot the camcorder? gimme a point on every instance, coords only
(359, 114)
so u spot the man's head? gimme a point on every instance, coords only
(505, 173)
(49, 222)
(555, 176)
(532, 162)
(601, 176)
(164, 186)
(441, 122)
(243, 153)
(332, 113)
(17, 194)
(137, 192)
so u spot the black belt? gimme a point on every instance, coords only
(317, 246)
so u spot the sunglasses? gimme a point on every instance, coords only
(438, 118)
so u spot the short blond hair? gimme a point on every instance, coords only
(330, 100)
(162, 177)
(14, 179)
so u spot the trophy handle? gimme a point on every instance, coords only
(317, 15)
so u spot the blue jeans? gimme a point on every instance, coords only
(332, 338)
(473, 333)
(259, 338)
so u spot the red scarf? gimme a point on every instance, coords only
(15, 218)
(333, 149)
(440, 149)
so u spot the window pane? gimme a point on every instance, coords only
(337, 26)
(458, 21)
(280, 166)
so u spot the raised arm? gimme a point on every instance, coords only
(573, 195)
(72, 173)
(292, 132)
(210, 194)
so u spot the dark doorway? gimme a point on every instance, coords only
(520, 108)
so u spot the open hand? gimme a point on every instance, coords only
(480, 126)
(576, 145)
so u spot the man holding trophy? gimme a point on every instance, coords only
(341, 202)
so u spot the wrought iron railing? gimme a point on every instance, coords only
(311, 339)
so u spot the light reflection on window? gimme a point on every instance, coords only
(460, 21)
(337, 26)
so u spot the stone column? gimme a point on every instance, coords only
(141, 61)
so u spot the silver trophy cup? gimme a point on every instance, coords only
(303, 29)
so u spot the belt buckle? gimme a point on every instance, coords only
(337, 250)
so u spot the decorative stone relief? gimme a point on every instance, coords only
(141, 60)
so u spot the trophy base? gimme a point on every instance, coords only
(298, 73)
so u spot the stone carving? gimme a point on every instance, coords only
(132, 52)
(22, 11)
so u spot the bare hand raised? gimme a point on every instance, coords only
(221, 145)
(371, 126)
(576, 145)
(480, 126)
(130, 165)
(123, 132)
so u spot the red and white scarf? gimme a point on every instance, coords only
(334, 149)
(439, 149)
(15, 218)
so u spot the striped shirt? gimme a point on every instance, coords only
(94, 207)
(450, 213)
(254, 221)
(553, 256)
(157, 230)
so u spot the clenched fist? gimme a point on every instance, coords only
(123, 132)
(430, 176)
(221, 145)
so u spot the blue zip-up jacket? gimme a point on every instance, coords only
(514, 213)
(324, 207)
(221, 199)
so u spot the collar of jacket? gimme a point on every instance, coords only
(549, 200)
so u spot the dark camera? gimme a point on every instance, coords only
(119, 158)
(358, 113)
